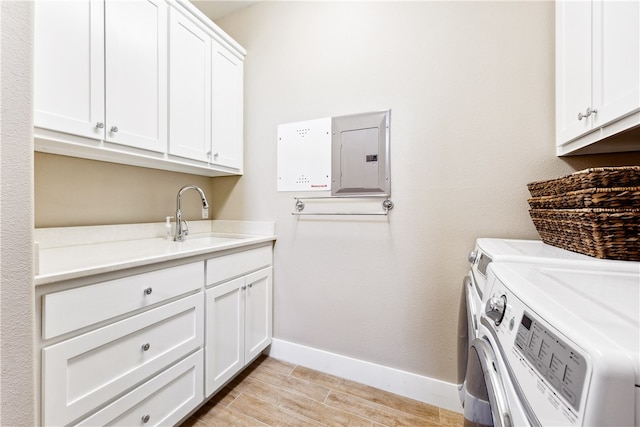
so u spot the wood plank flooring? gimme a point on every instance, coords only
(275, 393)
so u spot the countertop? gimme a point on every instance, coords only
(66, 253)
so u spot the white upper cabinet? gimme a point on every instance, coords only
(189, 88)
(227, 110)
(597, 74)
(136, 73)
(69, 67)
(150, 83)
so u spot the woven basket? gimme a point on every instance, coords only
(602, 233)
(605, 177)
(608, 198)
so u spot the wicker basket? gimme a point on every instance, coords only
(605, 177)
(608, 198)
(602, 233)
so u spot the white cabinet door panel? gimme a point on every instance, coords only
(224, 353)
(136, 73)
(69, 67)
(617, 79)
(189, 89)
(573, 68)
(227, 107)
(258, 316)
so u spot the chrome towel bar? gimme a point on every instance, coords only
(387, 205)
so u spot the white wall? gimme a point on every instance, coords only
(471, 88)
(17, 379)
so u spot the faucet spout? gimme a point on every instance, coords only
(183, 230)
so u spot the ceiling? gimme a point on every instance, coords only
(215, 9)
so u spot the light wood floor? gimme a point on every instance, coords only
(275, 393)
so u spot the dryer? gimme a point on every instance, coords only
(490, 250)
(557, 345)
(486, 251)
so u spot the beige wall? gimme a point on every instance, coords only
(71, 191)
(470, 86)
(17, 377)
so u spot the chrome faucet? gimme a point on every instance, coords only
(183, 230)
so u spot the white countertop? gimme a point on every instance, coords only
(73, 252)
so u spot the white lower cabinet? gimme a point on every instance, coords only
(147, 349)
(239, 321)
(239, 325)
(82, 373)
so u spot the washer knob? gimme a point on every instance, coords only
(473, 256)
(495, 309)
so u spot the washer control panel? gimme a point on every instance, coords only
(556, 361)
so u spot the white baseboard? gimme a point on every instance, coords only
(417, 387)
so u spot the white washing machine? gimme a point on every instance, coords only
(489, 250)
(557, 345)
(486, 251)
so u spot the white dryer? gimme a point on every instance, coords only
(486, 251)
(558, 345)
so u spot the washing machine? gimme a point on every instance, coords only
(557, 345)
(486, 251)
(490, 250)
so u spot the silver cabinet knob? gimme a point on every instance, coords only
(473, 256)
(243, 288)
(495, 309)
(146, 347)
(148, 291)
(145, 419)
(100, 125)
(215, 156)
(114, 129)
(587, 113)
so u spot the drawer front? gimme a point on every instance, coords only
(73, 309)
(229, 266)
(163, 400)
(85, 372)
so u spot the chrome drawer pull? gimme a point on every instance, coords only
(145, 419)
(148, 291)
(146, 347)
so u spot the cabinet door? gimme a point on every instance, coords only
(136, 73)
(227, 75)
(258, 313)
(224, 345)
(616, 58)
(69, 67)
(573, 68)
(189, 89)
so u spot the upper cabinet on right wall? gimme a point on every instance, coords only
(597, 76)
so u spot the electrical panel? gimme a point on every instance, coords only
(348, 155)
(360, 155)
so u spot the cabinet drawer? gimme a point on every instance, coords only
(73, 309)
(165, 399)
(84, 372)
(238, 264)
